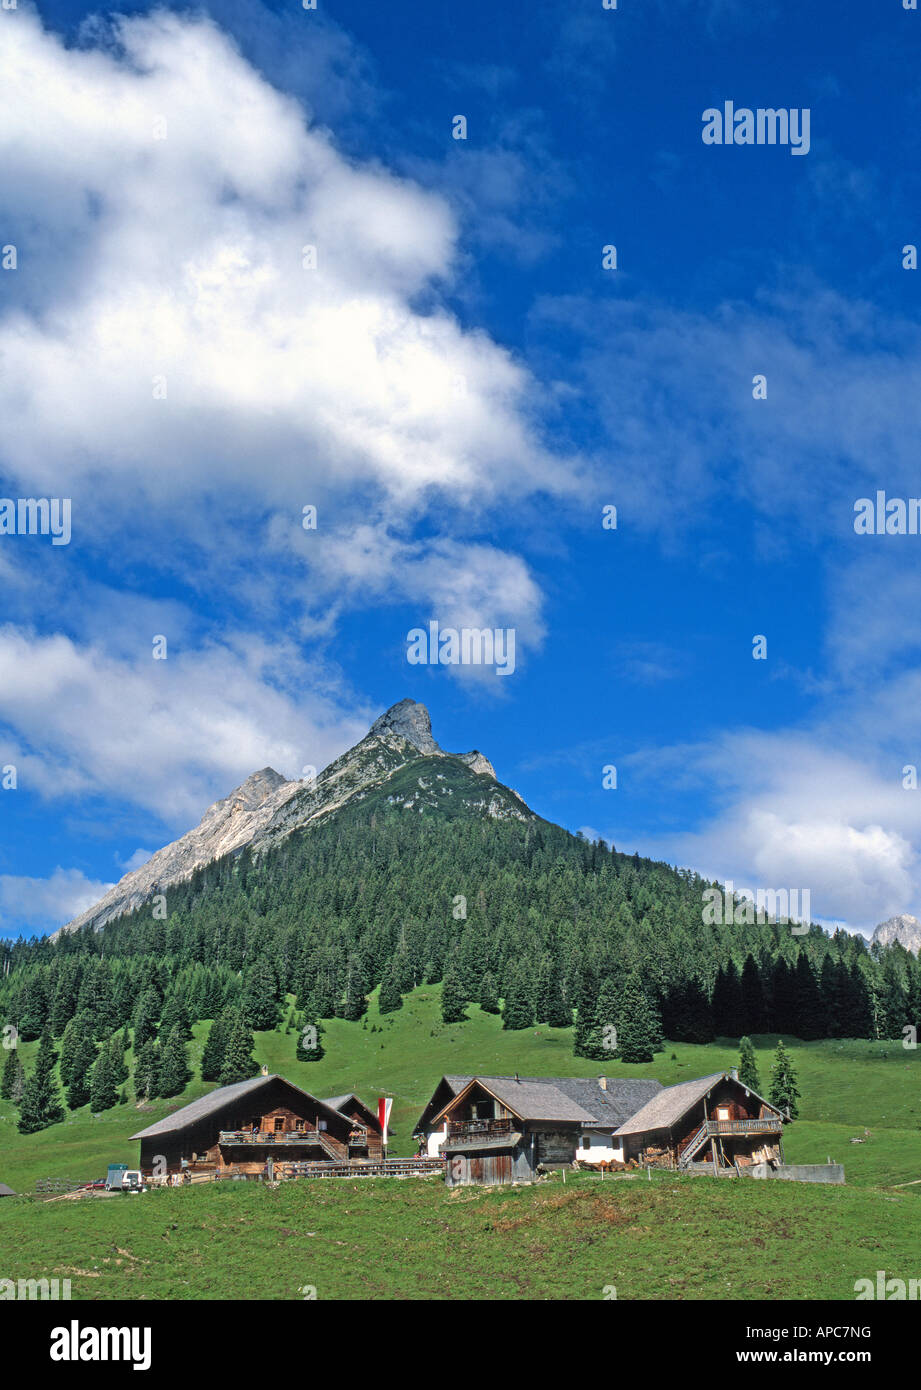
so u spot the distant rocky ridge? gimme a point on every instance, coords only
(267, 807)
(904, 929)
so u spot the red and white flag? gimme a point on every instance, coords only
(384, 1106)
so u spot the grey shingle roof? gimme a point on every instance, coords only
(337, 1102)
(579, 1100)
(6, 1191)
(215, 1100)
(667, 1107)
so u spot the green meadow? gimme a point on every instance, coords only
(663, 1238)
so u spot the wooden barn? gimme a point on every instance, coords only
(713, 1124)
(501, 1129)
(241, 1127)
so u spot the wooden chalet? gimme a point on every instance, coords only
(365, 1137)
(503, 1129)
(713, 1124)
(241, 1127)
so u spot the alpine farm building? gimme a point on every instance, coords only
(502, 1129)
(242, 1126)
(714, 1121)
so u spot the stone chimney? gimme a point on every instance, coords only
(265, 1070)
(603, 1082)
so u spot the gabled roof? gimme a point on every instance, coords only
(527, 1099)
(6, 1191)
(216, 1100)
(673, 1102)
(340, 1102)
(607, 1108)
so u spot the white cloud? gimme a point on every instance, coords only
(171, 735)
(42, 902)
(795, 811)
(182, 257)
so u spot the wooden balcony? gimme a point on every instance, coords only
(768, 1124)
(477, 1129)
(234, 1137)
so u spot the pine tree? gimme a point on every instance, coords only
(754, 1009)
(175, 1015)
(390, 998)
(41, 1100)
(13, 1077)
(748, 1066)
(260, 1003)
(147, 1071)
(453, 1003)
(103, 1090)
(82, 1061)
(639, 1030)
(603, 1042)
(146, 1018)
(174, 1064)
(212, 1056)
(309, 1041)
(518, 1005)
(238, 1064)
(783, 1092)
(585, 1042)
(489, 993)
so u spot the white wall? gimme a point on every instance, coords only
(434, 1140)
(603, 1148)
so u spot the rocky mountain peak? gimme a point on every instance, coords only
(904, 929)
(257, 787)
(268, 807)
(411, 721)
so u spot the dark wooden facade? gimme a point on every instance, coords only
(489, 1143)
(274, 1121)
(727, 1129)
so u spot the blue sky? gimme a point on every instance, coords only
(460, 388)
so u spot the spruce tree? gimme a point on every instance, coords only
(147, 1071)
(748, 1066)
(754, 1009)
(80, 1069)
(639, 1028)
(390, 998)
(783, 1092)
(174, 1063)
(489, 993)
(103, 1090)
(13, 1077)
(41, 1100)
(238, 1063)
(518, 1005)
(212, 1056)
(260, 1004)
(309, 1041)
(453, 1003)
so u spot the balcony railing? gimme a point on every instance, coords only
(768, 1124)
(470, 1129)
(286, 1136)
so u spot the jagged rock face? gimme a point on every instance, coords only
(904, 928)
(226, 826)
(267, 807)
(407, 720)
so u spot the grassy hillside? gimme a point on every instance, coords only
(846, 1087)
(685, 1238)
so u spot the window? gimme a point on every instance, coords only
(586, 1141)
(279, 1123)
(298, 1124)
(722, 1112)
